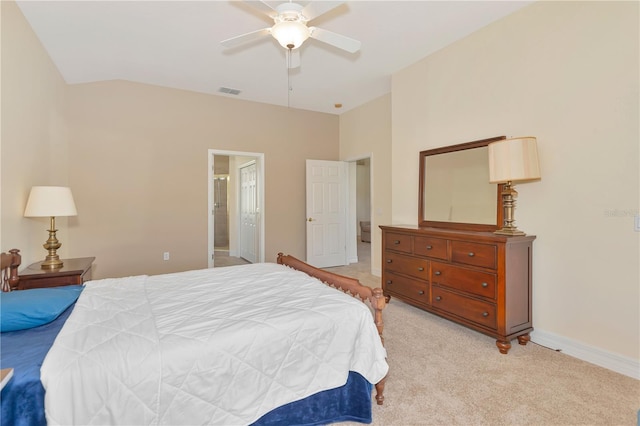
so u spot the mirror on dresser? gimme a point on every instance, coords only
(454, 188)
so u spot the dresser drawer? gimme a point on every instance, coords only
(430, 247)
(397, 242)
(483, 255)
(413, 289)
(415, 267)
(483, 313)
(475, 282)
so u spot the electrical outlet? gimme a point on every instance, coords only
(165, 256)
(636, 226)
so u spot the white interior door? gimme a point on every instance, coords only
(326, 213)
(249, 212)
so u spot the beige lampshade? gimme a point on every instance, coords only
(50, 201)
(512, 160)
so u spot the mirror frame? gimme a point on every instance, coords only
(423, 223)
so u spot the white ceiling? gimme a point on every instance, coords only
(177, 44)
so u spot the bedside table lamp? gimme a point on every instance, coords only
(50, 201)
(512, 160)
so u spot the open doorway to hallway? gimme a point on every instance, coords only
(363, 210)
(359, 216)
(236, 208)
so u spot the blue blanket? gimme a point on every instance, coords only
(22, 398)
(24, 350)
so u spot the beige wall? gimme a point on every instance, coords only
(364, 131)
(567, 73)
(33, 141)
(138, 156)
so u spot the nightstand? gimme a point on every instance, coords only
(73, 272)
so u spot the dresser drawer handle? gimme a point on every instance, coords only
(396, 242)
(421, 292)
(485, 285)
(420, 269)
(471, 254)
(389, 260)
(438, 273)
(485, 314)
(389, 282)
(429, 247)
(438, 298)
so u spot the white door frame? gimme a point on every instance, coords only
(260, 165)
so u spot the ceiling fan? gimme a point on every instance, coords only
(290, 28)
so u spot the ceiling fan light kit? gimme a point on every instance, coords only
(290, 34)
(290, 26)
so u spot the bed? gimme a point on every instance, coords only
(253, 344)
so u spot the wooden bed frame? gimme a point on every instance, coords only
(352, 287)
(10, 263)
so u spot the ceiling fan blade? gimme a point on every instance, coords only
(245, 38)
(317, 8)
(262, 7)
(334, 39)
(293, 58)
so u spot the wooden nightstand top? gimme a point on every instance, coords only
(69, 267)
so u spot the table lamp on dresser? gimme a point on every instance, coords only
(51, 201)
(512, 160)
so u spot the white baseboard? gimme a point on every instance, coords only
(352, 260)
(609, 360)
(376, 272)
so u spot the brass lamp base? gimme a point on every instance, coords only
(509, 196)
(509, 231)
(52, 261)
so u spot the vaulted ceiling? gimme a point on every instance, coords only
(177, 44)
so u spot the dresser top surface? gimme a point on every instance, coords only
(459, 234)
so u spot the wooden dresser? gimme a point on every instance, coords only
(477, 279)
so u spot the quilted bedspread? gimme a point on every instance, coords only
(214, 346)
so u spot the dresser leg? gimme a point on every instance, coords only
(503, 346)
(524, 339)
(387, 298)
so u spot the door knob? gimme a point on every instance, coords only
(310, 219)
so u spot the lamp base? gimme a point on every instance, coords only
(509, 231)
(51, 263)
(509, 195)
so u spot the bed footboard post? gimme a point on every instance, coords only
(378, 303)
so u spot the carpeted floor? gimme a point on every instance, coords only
(444, 374)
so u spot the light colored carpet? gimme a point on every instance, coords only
(442, 373)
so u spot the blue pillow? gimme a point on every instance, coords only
(23, 309)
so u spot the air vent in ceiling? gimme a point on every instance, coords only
(229, 91)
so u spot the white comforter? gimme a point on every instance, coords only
(214, 346)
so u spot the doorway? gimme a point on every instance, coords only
(360, 208)
(228, 208)
(363, 209)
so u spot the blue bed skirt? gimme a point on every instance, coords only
(22, 398)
